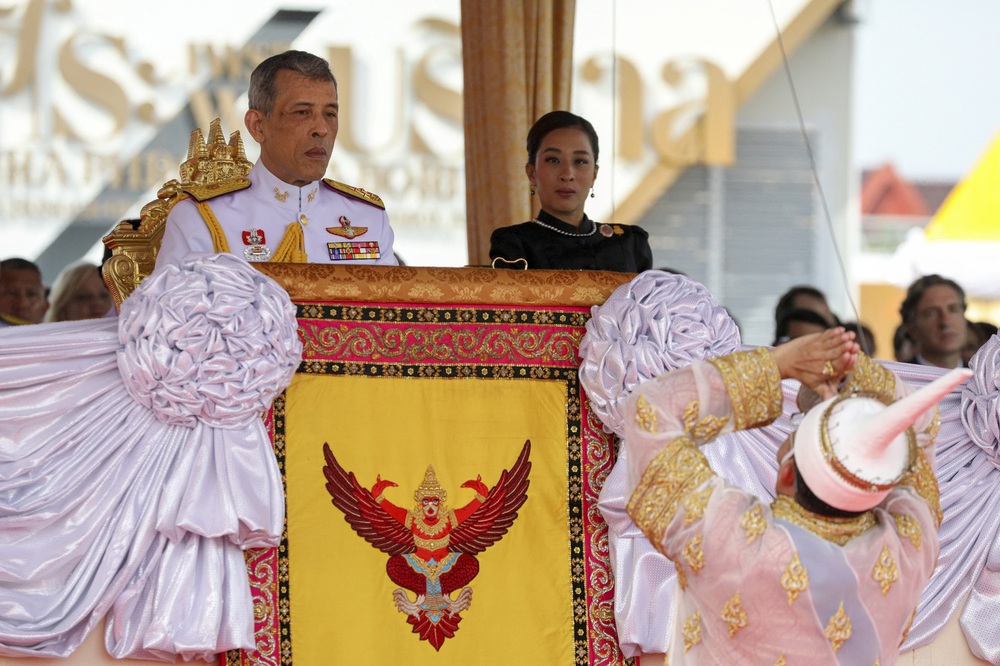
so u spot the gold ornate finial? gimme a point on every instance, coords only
(134, 247)
(430, 487)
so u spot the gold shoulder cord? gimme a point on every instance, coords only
(214, 228)
(754, 386)
(291, 249)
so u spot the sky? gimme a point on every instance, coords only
(927, 96)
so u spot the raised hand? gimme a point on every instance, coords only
(381, 485)
(477, 485)
(818, 360)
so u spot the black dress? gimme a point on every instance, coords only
(557, 245)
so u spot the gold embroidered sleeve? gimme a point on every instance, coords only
(922, 479)
(676, 472)
(754, 386)
(871, 377)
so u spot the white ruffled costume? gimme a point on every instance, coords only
(135, 466)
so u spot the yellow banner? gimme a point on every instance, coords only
(342, 600)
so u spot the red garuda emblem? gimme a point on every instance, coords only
(431, 547)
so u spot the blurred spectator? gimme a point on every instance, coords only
(934, 314)
(864, 336)
(22, 294)
(902, 345)
(977, 333)
(798, 322)
(804, 297)
(79, 293)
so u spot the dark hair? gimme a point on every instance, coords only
(787, 300)
(798, 314)
(916, 291)
(262, 91)
(807, 499)
(987, 329)
(899, 338)
(863, 336)
(18, 264)
(552, 121)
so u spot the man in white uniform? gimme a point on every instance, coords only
(831, 571)
(285, 210)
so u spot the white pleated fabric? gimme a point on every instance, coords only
(967, 577)
(135, 468)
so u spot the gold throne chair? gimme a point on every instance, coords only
(208, 166)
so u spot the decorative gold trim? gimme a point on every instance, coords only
(908, 528)
(707, 427)
(645, 414)
(676, 470)
(682, 577)
(923, 480)
(754, 386)
(694, 555)
(795, 579)
(838, 631)
(873, 378)
(754, 523)
(885, 572)
(834, 530)
(208, 164)
(356, 192)
(695, 504)
(692, 631)
(734, 615)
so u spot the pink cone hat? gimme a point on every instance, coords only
(852, 449)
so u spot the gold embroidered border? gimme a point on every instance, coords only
(478, 286)
(754, 386)
(835, 530)
(871, 377)
(922, 479)
(675, 471)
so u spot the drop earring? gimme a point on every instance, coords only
(591, 193)
(532, 191)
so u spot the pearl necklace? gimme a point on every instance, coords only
(592, 231)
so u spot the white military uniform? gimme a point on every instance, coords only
(339, 223)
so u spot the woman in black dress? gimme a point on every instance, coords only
(562, 166)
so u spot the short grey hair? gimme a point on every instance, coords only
(262, 91)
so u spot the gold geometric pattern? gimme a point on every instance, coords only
(754, 386)
(834, 530)
(753, 523)
(706, 428)
(839, 629)
(908, 528)
(781, 661)
(922, 479)
(675, 471)
(692, 631)
(795, 579)
(734, 615)
(694, 555)
(885, 571)
(695, 504)
(645, 415)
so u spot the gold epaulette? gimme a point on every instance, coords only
(211, 190)
(356, 192)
